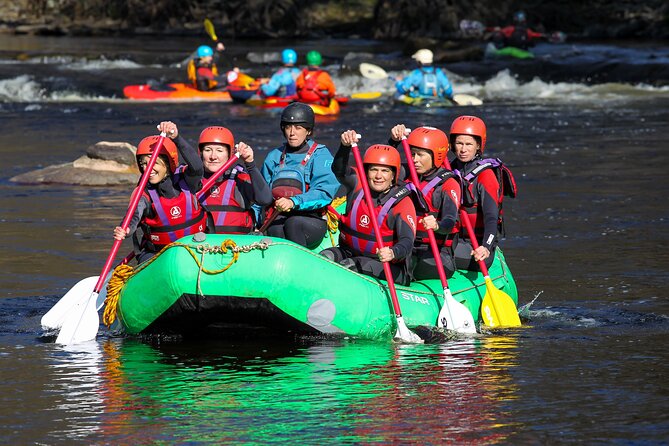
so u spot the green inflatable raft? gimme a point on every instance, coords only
(263, 282)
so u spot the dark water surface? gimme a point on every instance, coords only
(588, 235)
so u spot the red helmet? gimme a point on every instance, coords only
(217, 135)
(148, 144)
(469, 125)
(431, 139)
(383, 155)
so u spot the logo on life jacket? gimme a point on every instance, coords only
(364, 221)
(175, 212)
(411, 222)
(214, 191)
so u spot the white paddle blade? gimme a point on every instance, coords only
(405, 335)
(82, 324)
(466, 99)
(455, 316)
(54, 318)
(371, 71)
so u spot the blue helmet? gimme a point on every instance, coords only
(288, 56)
(204, 51)
(519, 17)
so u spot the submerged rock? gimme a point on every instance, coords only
(105, 164)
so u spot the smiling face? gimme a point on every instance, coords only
(422, 160)
(159, 171)
(466, 147)
(295, 134)
(380, 178)
(214, 156)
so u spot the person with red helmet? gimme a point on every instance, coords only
(482, 193)
(300, 176)
(442, 192)
(395, 213)
(229, 202)
(168, 209)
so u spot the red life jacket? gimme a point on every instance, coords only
(432, 192)
(173, 218)
(310, 92)
(224, 202)
(507, 184)
(356, 229)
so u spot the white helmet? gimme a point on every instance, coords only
(424, 56)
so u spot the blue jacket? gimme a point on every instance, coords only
(283, 78)
(323, 184)
(426, 81)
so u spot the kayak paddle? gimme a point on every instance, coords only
(403, 333)
(209, 28)
(375, 72)
(82, 323)
(453, 315)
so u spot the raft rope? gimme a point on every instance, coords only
(123, 273)
(333, 218)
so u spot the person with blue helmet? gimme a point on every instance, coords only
(282, 83)
(203, 72)
(426, 80)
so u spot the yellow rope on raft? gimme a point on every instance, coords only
(333, 218)
(123, 273)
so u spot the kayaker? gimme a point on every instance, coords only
(517, 35)
(229, 202)
(426, 80)
(314, 85)
(282, 83)
(168, 209)
(203, 71)
(482, 192)
(395, 211)
(442, 192)
(300, 176)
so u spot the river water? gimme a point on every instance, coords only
(584, 129)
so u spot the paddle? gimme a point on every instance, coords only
(55, 317)
(82, 323)
(209, 28)
(403, 333)
(453, 314)
(375, 72)
(474, 28)
(497, 308)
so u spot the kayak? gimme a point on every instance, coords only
(438, 102)
(332, 108)
(253, 281)
(243, 87)
(173, 92)
(424, 101)
(509, 51)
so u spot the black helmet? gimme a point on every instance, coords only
(298, 113)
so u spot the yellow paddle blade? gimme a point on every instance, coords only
(366, 95)
(209, 28)
(497, 308)
(371, 71)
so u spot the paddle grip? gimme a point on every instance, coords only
(131, 210)
(375, 224)
(430, 233)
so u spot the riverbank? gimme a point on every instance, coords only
(378, 19)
